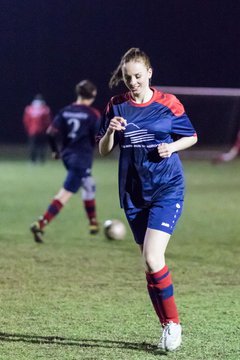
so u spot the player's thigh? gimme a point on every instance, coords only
(154, 247)
(73, 180)
(138, 220)
(162, 220)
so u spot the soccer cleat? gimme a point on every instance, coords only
(171, 337)
(94, 227)
(37, 232)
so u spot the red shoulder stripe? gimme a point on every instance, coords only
(171, 102)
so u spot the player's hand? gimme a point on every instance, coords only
(165, 150)
(117, 123)
(55, 155)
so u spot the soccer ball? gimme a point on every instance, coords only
(114, 229)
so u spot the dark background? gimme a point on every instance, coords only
(48, 46)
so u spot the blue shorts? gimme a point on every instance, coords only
(73, 180)
(159, 216)
(76, 173)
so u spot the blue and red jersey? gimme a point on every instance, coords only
(145, 177)
(78, 126)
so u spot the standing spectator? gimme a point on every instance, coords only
(36, 119)
(150, 128)
(77, 125)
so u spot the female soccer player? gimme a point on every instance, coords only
(77, 125)
(150, 128)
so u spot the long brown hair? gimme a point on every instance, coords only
(133, 54)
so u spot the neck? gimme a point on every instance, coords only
(82, 101)
(143, 98)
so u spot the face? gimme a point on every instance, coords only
(136, 77)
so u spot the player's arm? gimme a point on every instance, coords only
(95, 127)
(117, 123)
(166, 150)
(51, 135)
(182, 128)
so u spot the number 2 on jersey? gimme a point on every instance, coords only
(75, 123)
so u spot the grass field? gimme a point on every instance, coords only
(77, 297)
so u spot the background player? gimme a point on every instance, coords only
(144, 122)
(231, 154)
(76, 125)
(36, 119)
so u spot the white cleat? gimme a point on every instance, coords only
(171, 337)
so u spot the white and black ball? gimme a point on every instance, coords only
(114, 229)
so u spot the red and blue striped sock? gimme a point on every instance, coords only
(90, 208)
(160, 289)
(52, 211)
(154, 298)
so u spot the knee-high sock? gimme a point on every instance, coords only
(154, 298)
(52, 211)
(90, 208)
(160, 289)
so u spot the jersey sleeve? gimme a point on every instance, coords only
(57, 122)
(107, 116)
(181, 124)
(96, 121)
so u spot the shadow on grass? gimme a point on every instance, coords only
(84, 343)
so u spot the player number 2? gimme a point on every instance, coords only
(75, 123)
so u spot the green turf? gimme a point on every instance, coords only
(77, 297)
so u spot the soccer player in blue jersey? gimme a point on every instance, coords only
(77, 125)
(150, 128)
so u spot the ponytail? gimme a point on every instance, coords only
(133, 54)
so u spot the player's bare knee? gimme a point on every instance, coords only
(154, 263)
